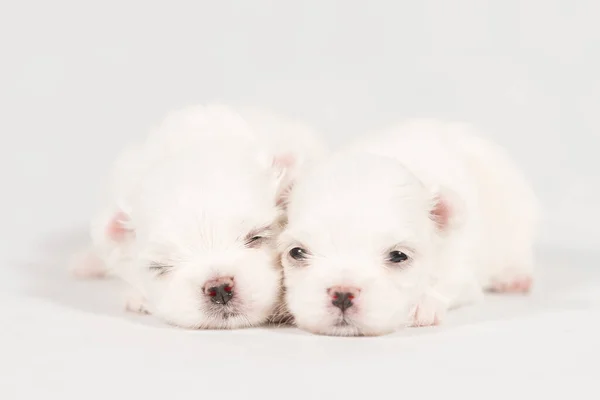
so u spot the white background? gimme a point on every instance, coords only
(79, 78)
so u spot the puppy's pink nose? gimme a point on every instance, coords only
(343, 296)
(219, 290)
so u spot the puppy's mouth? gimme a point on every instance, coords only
(224, 318)
(228, 314)
(342, 321)
(225, 311)
(343, 325)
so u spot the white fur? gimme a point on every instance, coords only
(386, 192)
(187, 198)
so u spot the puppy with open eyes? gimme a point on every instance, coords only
(404, 225)
(192, 214)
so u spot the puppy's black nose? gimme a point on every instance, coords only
(220, 294)
(342, 300)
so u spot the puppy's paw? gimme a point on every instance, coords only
(511, 282)
(430, 311)
(136, 303)
(87, 265)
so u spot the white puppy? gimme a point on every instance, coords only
(404, 225)
(192, 215)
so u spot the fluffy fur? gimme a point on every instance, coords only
(200, 201)
(409, 222)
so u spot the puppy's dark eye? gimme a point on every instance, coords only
(397, 257)
(298, 253)
(160, 269)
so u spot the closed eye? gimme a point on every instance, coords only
(160, 269)
(257, 237)
(254, 241)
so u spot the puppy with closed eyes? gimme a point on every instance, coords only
(404, 225)
(193, 212)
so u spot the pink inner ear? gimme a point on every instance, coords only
(116, 229)
(441, 213)
(284, 160)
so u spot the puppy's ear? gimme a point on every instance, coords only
(446, 210)
(119, 227)
(283, 166)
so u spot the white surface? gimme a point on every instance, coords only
(79, 78)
